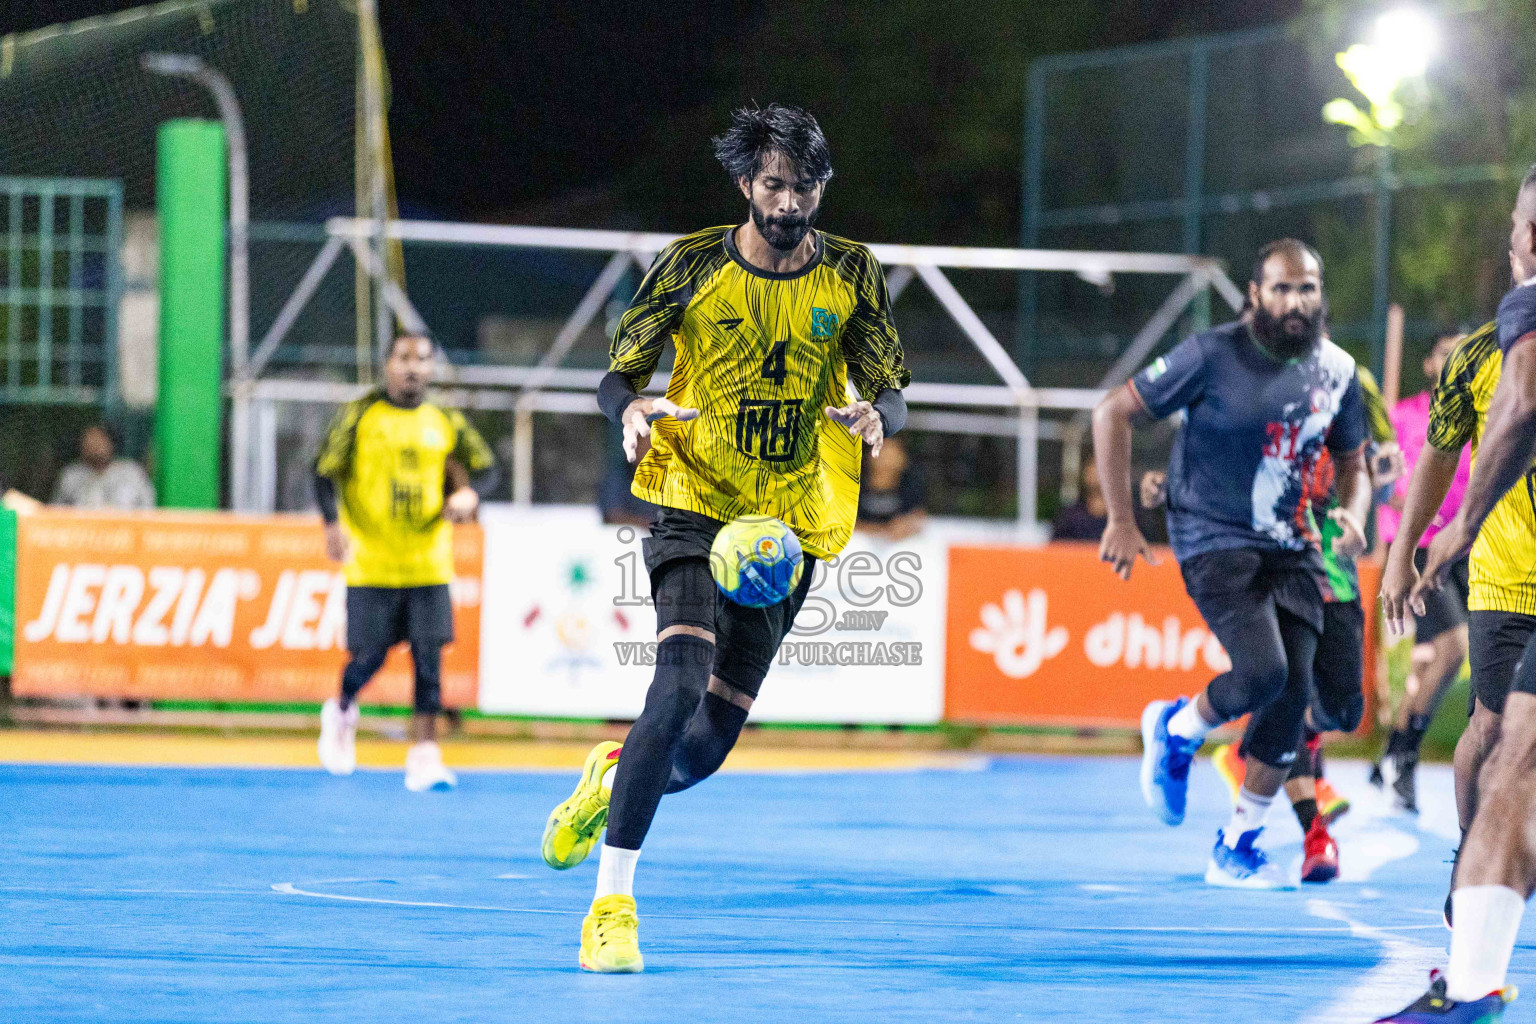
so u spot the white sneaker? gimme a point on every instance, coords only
(338, 737)
(424, 768)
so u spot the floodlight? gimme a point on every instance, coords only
(1406, 38)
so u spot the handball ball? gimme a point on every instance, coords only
(756, 561)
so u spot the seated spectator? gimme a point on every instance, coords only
(98, 480)
(892, 497)
(1085, 518)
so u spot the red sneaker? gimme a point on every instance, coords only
(1320, 860)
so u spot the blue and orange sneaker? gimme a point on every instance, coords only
(1165, 761)
(1243, 866)
(1434, 1008)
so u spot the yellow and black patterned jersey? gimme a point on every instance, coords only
(388, 463)
(1503, 563)
(1378, 418)
(760, 355)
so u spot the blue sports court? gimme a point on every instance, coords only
(1028, 888)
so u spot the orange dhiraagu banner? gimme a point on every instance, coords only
(206, 606)
(1051, 636)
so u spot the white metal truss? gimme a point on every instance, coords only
(1013, 405)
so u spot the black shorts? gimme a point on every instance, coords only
(1498, 642)
(1444, 609)
(1227, 584)
(684, 592)
(1338, 671)
(380, 617)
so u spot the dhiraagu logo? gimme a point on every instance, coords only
(823, 323)
(1157, 369)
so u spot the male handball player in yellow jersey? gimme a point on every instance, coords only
(380, 481)
(771, 321)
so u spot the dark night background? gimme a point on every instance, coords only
(599, 115)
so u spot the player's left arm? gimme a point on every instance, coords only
(479, 465)
(1506, 451)
(876, 364)
(1346, 442)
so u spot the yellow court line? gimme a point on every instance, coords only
(49, 747)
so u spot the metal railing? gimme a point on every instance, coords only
(1012, 406)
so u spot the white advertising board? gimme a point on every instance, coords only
(566, 620)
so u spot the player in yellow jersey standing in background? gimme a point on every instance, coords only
(380, 479)
(771, 321)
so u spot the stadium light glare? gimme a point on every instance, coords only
(1407, 40)
(1403, 41)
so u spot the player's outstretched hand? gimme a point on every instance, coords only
(639, 416)
(461, 505)
(1448, 547)
(1350, 543)
(1397, 582)
(337, 547)
(1154, 488)
(1120, 546)
(862, 421)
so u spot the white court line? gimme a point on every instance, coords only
(1390, 985)
(1370, 843)
(293, 889)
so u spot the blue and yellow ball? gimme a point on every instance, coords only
(756, 561)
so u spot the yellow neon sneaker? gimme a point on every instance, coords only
(1232, 768)
(573, 827)
(1330, 802)
(610, 937)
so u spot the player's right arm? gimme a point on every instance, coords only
(1113, 420)
(652, 316)
(333, 465)
(1171, 383)
(1452, 425)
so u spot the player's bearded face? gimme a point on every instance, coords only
(783, 231)
(1291, 334)
(408, 371)
(784, 205)
(1289, 311)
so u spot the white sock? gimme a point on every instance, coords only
(1487, 918)
(616, 872)
(1187, 723)
(1248, 813)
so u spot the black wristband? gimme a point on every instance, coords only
(325, 497)
(892, 408)
(614, 393)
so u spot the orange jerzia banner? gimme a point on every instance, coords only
(1051, 636)
(206, 606)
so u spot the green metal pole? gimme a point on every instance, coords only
(190, 194)
(7, 591)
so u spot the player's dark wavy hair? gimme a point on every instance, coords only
(1289, 246)
(757, 132)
